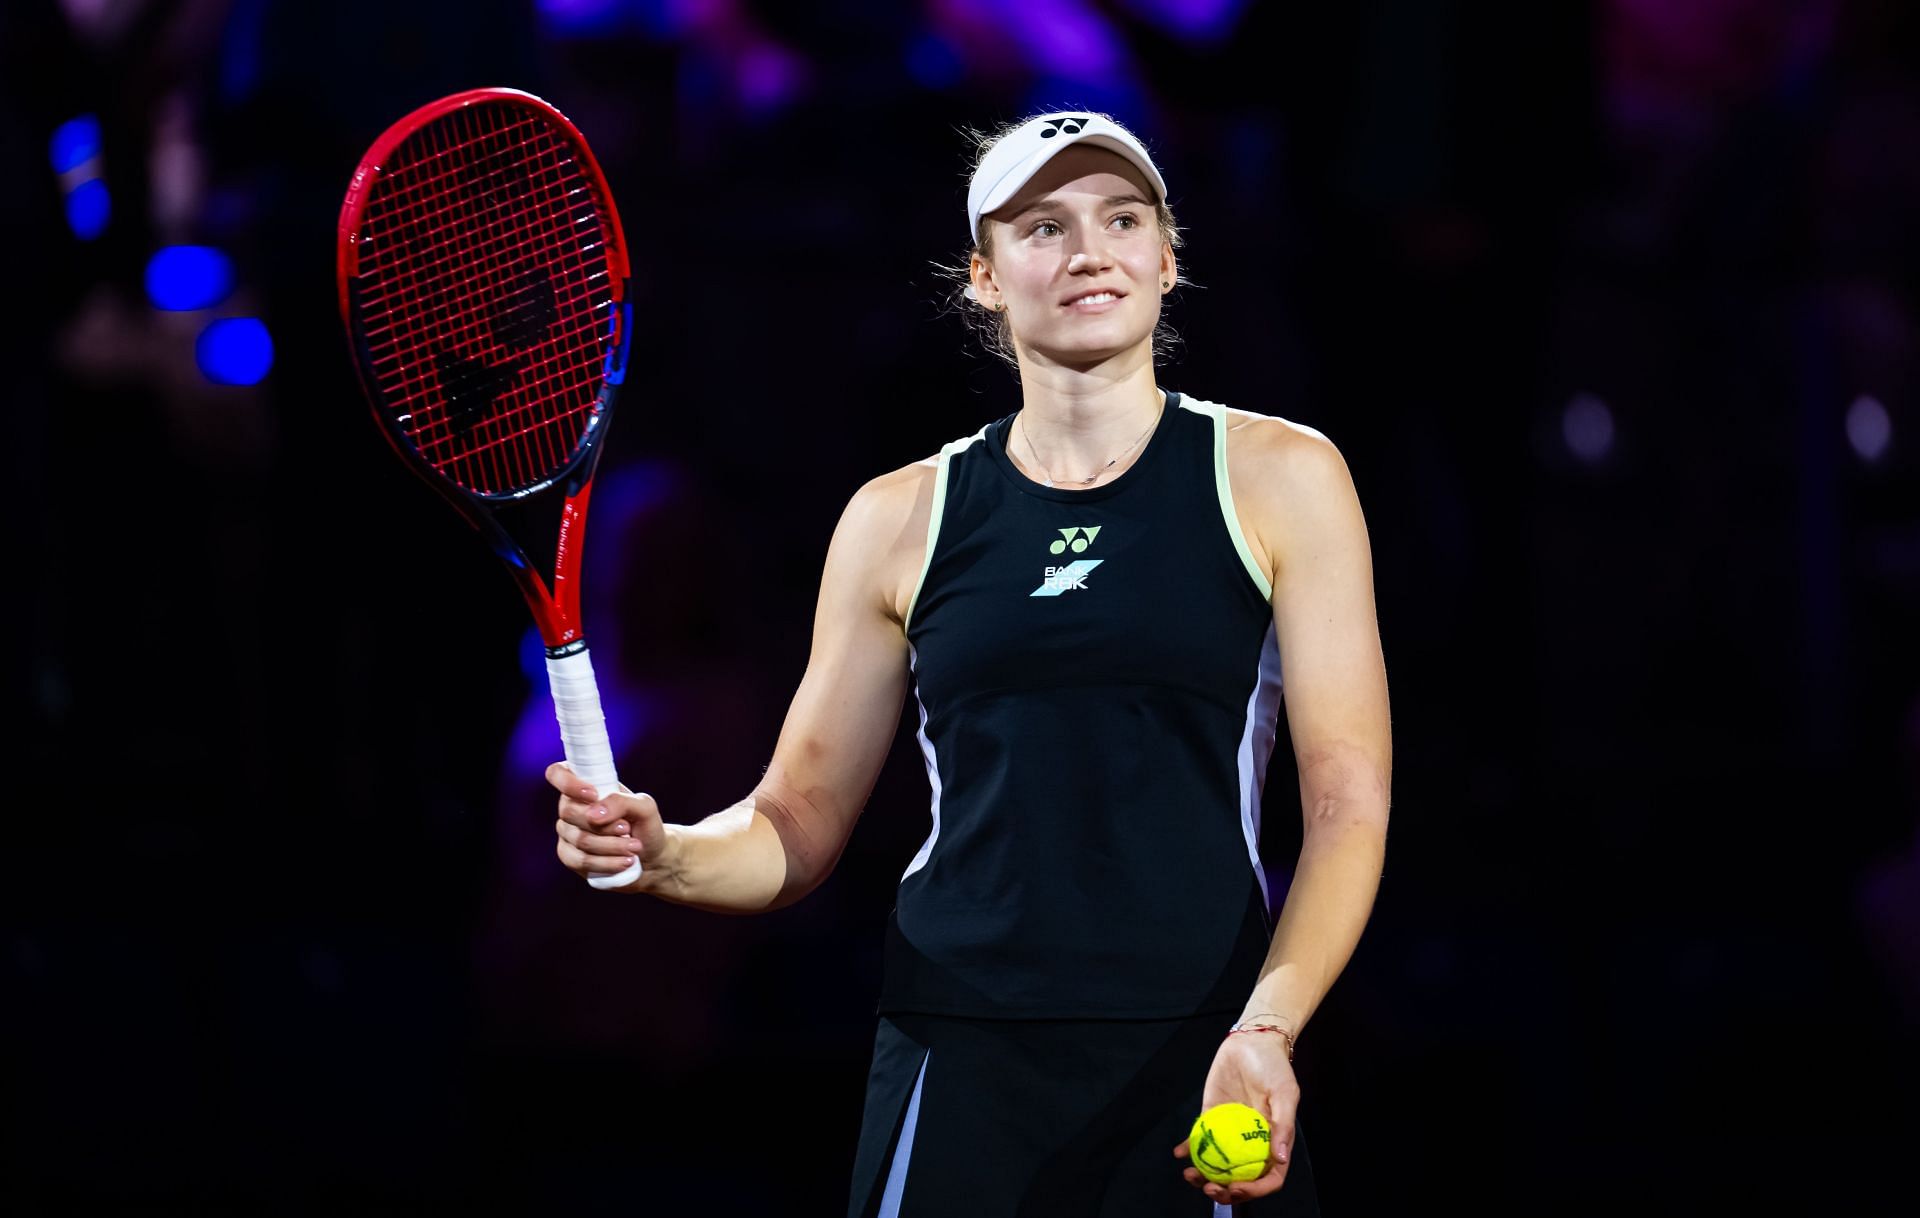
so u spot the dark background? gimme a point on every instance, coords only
(1611, 308)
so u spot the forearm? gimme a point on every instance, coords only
(755, 856)
(731, 862)
(1327, 907)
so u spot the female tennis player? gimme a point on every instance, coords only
(1093, 601)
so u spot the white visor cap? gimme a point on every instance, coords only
(1020, 154)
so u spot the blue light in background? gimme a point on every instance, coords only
(183, 277)
(669, 18)
(533, 658)
(238, 55)
(1194, 20)
(75, 142)
(581, 17)
(88, 209)
(234, 351)
(932, 61)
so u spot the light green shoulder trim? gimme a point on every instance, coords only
(1224, 489)
(933, 517)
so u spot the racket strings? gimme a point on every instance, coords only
(486, 296)
(469, 386)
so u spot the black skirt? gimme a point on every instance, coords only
(980, 1118)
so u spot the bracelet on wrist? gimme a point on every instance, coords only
(1251, 1026)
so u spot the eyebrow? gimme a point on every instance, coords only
(1049, 201)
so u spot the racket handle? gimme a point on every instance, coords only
(583, 730)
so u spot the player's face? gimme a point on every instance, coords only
(1078, 259)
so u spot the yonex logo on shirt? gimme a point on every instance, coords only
(1073, 576)
(1079, 544)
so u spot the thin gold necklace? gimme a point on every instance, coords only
(1051, 480)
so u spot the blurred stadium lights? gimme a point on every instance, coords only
(1869, 427)
(1073, 53)
(584, 18)
(185, 277)
(768, 76)
(934, 62)
(75, 153)
(1193, 20)
(1587, 426)
(234, 351)
(662, 19)
(88, 209)
(75, 142)
(1068, 39)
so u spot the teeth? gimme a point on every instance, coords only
(1096, 298)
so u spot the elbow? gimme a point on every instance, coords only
(1344, 783)
(810, 851)
(1360, 802)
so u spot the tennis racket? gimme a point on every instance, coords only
(483, 283)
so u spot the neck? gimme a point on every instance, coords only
(1078, 420)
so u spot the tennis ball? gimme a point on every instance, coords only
(1230, 1142)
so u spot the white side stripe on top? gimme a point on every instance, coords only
(933, 773)
(897, 1172)
(937, 512)
(1256, 747)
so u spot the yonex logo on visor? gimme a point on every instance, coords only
(1022, 152)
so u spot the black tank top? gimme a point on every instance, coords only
(1098, 689)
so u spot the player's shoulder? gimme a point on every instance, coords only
(1274, 444)
(897, 490)
(1275, 464)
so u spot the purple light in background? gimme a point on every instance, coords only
(1587, 426)
(767, 77)
(88, 209)
(934, 62)
(1869, 427)
(1062, 37)
(1194, 20)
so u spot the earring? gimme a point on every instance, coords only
(1165, 286)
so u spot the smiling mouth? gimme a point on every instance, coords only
(1093, 298)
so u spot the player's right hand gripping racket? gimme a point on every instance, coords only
(483, 282)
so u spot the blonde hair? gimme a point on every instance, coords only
(993, 328)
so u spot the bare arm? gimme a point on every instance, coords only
(1307, 516)
(1302, 518)
(777, 844)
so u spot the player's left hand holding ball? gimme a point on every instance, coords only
(1251, 1069)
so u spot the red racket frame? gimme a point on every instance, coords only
(555, 609)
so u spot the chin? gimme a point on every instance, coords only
(1091, 344)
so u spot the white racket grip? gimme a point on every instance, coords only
(583, 730)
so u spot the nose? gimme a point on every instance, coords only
(1087, 260)
(1087, 256)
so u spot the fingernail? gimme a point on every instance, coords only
(598, 813)
(589, 794)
